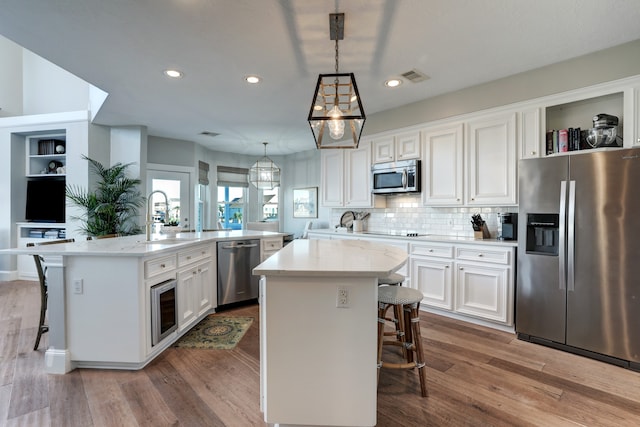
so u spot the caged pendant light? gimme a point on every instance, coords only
(264, 174)
(336, 116)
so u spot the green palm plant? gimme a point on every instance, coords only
(113, 207)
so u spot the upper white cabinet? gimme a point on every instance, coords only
(443, 166)
(384, 149)
(529, 134)
(634, 106)
(408, 146)
(403, 146)
(491, 160)
(346, 177)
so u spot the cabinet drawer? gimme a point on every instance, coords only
(429, 249)
(271, 244)
(156, 266)
(497, 256)
(192, 255)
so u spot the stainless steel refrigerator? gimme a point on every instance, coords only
(578, 269)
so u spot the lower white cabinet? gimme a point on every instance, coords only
(434, 278)
(195, 292)
(196, 284)
(482, 286)
(269, 246)
(483, 291)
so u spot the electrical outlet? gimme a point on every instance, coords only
(342, 299)
(77, 286)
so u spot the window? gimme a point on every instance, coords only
(231, 207)
(232, 193)
(270, 204)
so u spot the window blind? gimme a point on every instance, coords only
(232, 177)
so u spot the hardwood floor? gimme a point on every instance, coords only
(476, 376)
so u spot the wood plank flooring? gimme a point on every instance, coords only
(476, 377)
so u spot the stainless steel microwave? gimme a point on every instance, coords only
(396, 177)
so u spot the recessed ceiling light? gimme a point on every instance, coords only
(253, 79)
(174, 74)
(393, 83)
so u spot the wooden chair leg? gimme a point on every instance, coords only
(417, 343)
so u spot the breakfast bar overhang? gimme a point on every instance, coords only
(318, 361)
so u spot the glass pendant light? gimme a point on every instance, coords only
(336, 108)
(264, 174)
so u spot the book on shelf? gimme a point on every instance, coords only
(563, 140)
(48, 146)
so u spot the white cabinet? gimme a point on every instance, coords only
(346, 178)
(491, 160)
(529, 134)
(482, 286)
(384, 150)
(443, 166)
(332, 178)
(196, 284)
(634, 108)
(482, 291)
(269, 246)
(403, 146)
(432, 273)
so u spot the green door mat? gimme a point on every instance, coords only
(216, 333)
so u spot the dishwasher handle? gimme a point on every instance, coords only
(240, 245)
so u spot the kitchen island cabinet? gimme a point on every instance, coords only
(100, 295)
(318, 361)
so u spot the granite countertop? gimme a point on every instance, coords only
(416, 239)
(344, 258)
(137, 245)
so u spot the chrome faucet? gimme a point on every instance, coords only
(149, 222)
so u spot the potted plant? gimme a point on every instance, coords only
(112, 208)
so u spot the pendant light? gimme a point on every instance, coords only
(264, 174)
(336, 108)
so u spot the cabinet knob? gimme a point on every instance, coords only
(461, 268)
(188, 257)
(193, 272)
(533, 153)
(480, 255)
(446, 266)
(162, 266)
(472, 199)
(430, 250)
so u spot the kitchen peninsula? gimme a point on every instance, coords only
(318, 325)
(99, 306)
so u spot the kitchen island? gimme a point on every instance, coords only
(318, 331)
(99, 309)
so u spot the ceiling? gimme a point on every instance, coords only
(123, 46)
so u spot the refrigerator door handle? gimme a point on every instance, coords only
(562, 282)
(571, 233)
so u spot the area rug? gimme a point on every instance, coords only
(216, 333)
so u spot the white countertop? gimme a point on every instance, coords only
(345, 258)
(421, 238)
(137, 246)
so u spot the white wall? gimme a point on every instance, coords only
(50, 89)
(10, 78)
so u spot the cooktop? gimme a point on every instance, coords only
(395, 233)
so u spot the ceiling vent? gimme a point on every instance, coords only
(211, 134)
(415, 76)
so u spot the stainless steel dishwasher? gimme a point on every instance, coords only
(236, 260)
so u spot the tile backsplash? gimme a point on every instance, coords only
(405, 214)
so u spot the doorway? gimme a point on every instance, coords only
(176, 185)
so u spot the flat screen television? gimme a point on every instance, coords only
(45, 200)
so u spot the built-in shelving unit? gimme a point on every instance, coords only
(46, 155)
(580, 113)
(35, 232)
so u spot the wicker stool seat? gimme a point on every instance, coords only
(406, 301)
(393, 279)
